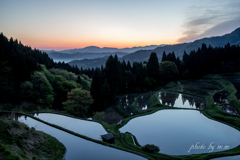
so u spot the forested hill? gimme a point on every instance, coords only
(29, 75)
(25, 59)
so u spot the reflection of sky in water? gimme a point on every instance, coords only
(181, 101)
(78, 148)
(87, 128)
(228, 158)
(174, 131)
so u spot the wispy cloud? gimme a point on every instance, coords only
(210, 20)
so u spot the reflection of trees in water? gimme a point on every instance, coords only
(14, 116)
(221, 97)
(229, 109)
(11, 115)
(168, 98)
(196, 87)
(199, 105)
(126, 102)
(198, 102)
(143, 99)
(190, 99)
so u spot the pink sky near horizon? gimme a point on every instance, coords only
(59, 25)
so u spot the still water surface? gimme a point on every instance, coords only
(87, 128)
(180, 100)
(78, 148)
(228, 158)
(175, 131)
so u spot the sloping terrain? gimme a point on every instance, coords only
(18, 141)
(232, 38)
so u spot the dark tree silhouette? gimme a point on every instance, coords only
(153, 66)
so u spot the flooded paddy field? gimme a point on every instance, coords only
(229, 109)
(126, 101)
(200, 88)
(180, 100)
(142, 101)
(87, 128)
(78, 148)
(237, 157)
(175, 131)
(221, 97)
(134, 103)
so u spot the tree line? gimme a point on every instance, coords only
(30, 79)
(30, 75)
(206, 60)
(118, 78)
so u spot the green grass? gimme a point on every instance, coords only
(129, 139)
(153, 100)
(232, 99)
(15, 136)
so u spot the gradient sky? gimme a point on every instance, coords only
(58, 24)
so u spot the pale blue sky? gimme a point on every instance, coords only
(57, 24)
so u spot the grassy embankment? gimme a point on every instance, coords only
(18, 141)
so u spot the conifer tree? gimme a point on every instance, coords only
(153, 66)
(164, 56)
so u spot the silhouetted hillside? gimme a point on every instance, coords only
(143, 55)
(178, 49)
(89, 63)
(95, 49)
(58, 56)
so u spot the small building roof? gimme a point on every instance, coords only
(108, 136)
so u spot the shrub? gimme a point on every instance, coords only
(151, 148)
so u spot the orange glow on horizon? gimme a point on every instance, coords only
(76, 45)
(68, 42)
(61, 47)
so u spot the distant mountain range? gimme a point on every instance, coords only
(95, 49)
(143, 55)
(92, 52)
(57, 56)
